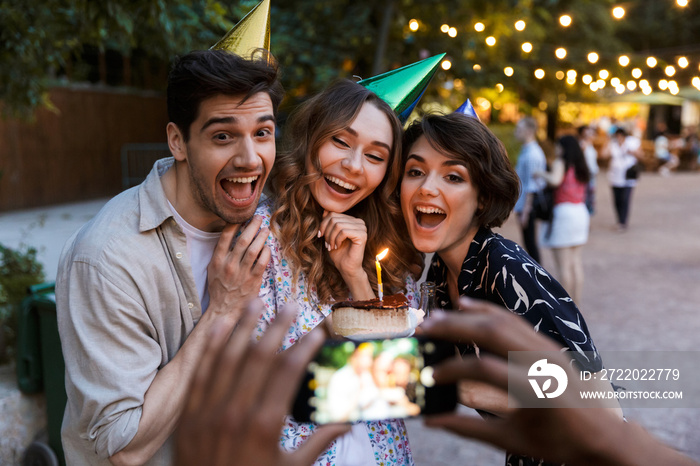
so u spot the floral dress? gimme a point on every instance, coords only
(500, 271)
(389, 439)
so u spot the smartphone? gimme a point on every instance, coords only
(376, 379)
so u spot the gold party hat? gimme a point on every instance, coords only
(250, 33)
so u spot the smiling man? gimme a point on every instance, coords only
(141, 286)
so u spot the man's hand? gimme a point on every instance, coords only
(236, 268)
(241, 393)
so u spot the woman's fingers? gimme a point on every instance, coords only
(336, 228)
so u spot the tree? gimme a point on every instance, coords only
(42, 39)
(319, 40)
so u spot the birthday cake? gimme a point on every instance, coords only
(388, 318)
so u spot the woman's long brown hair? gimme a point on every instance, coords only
(297, 216)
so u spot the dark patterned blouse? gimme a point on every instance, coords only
(500, 271)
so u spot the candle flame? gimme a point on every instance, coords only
(382, 254)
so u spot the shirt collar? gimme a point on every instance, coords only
(153, 203)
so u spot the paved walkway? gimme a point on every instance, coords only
(641, 293)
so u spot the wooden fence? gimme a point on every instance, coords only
(74, 154)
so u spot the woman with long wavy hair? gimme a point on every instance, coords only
(333, 209)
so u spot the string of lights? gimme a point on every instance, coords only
(663, 69)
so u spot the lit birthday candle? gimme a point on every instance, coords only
(380, 256)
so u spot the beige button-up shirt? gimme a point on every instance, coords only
(126, 301)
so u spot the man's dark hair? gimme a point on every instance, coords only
(203, 74)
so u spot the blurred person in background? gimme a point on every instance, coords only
(530, 161)
(568, 230)
(585, 139)
(624, 152)
(662, 149)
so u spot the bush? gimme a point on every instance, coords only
(19, 269)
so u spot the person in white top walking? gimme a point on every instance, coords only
(625, 152)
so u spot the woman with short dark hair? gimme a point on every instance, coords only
(458, 184)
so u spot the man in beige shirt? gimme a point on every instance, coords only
(133, 284)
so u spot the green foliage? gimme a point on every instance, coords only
(317, 41)
(19, 269)
(506, 133)
(41, 37)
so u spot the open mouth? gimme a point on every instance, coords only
(240, 188)
(340, 186)
(429, 217)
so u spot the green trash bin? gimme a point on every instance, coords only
(40, 367)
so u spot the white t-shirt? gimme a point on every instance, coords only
(200, 249)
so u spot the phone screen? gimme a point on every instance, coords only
(371, 380)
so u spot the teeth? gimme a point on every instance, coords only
(341, 183)
(429, 210)
(248, 179)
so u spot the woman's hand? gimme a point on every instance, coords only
(345, 239)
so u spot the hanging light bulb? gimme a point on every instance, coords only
(603, 74)
(565, 20)
(527, 47)
(539, 73)
(490, 41)
(479, 27)
(618, 12)
(651, 62)
(592, 57)
(444, 28)
(631, 85)
(560, 53)
(508, 71)
(413, 25)
(587, 79)
(670, 70)
(520, 25)
(683, 62)
(636, 73)
(624, 60)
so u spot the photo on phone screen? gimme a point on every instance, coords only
(371, 380)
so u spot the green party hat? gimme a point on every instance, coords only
(403, 87)
(250, 33)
